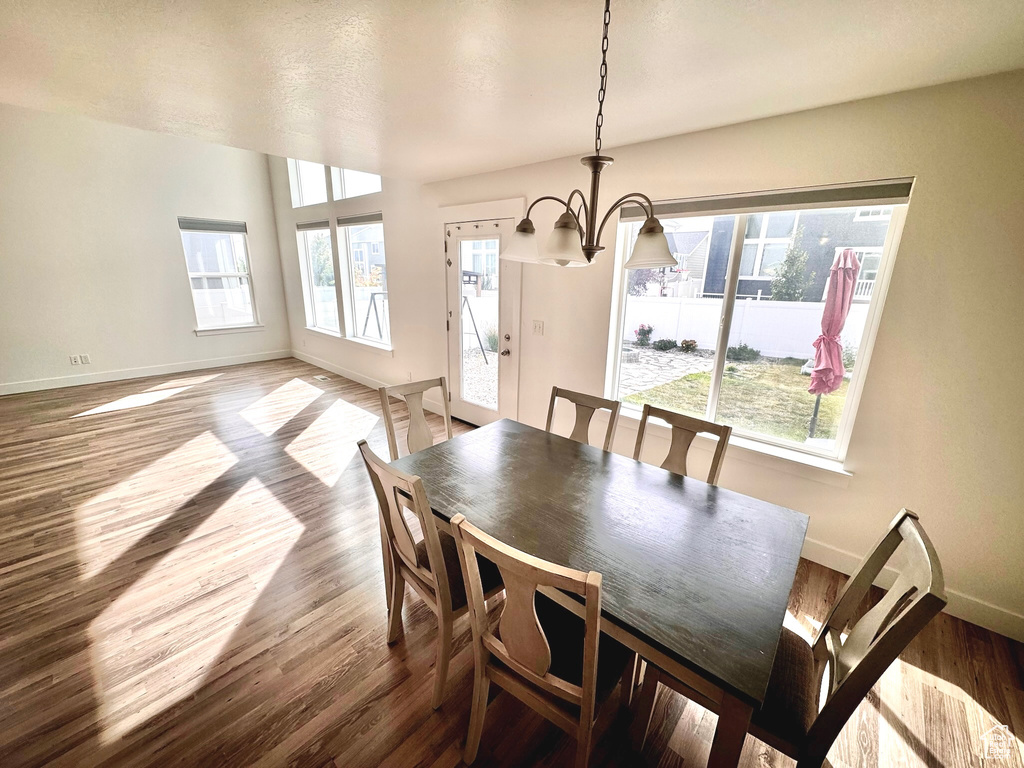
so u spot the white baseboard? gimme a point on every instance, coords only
(431, 404)
(965, 607)
(34, 385)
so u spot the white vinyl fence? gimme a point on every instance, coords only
(776, 328)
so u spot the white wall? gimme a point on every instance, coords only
(90, 255)
(774, 328)
(940, 428)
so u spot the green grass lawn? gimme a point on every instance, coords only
(766, 397)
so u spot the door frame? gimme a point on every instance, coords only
(515, 209)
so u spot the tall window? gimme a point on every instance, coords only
(362, 241)
(218, 272)
(728, 334)
(308, 183)
(318, 276)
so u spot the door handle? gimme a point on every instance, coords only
(505, 353)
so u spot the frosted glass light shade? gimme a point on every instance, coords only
(522, 246)
(651, 248)
(564, 248)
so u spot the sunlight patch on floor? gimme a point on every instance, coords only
(187, 381)
(274, 410)
(327, 445)
(109, 524)
(132, 401)
(158, 642)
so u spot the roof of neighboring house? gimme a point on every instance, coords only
(684, 243)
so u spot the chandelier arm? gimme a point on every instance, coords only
(545, 197)
(646, 204)
(586, 210)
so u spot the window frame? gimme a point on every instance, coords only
(337, 189)
(344, 242)
(753, 440)
(306, 271)
(867, 213)
(219, 227)
(763, 240)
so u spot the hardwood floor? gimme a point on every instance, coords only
(190, 574)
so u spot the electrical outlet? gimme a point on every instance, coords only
(538, 327)
(408, 376)
(86, 360)
(74, 359)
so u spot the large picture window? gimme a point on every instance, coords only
(218, 272)
(728, 334)
(361, 238)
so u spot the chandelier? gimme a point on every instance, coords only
(576, 238)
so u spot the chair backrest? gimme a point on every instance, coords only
(586, 405)
(419, 435)
(878, 637)
(399, 494)
(684, 429)
(520, 643)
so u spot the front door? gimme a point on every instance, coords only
(483, 321)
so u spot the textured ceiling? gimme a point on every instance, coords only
(434, 89)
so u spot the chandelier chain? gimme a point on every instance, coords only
(604, 78)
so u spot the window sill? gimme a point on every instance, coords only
(379, 346)
(374, 346)
(813, 467)
(228, 329)
(324, 331)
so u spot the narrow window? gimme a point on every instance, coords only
(362, 240)
(317, 262)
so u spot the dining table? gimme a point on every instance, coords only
(696, 578)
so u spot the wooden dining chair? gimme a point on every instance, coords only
(540, 652)
(814, 689)
(684, 429)
(429, 564)
(586, 406)
(418, 435)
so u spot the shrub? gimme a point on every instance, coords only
(643, 335)
(491, 338)
(688, 345)
(664, 345)
(849, 356)
(731, 369)
(743, 354)
(638, 280)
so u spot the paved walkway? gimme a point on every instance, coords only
(642, 367)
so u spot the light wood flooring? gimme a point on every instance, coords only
(191, 575)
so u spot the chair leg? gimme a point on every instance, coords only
(628, 676)
(584, 740)
(395, 602)
(481, 687)
(644, 708)
(444, 654)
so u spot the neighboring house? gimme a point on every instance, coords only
(823, 233)
(367, 243)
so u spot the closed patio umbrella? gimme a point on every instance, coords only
(828, 371)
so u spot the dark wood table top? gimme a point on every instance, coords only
(701, 573)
